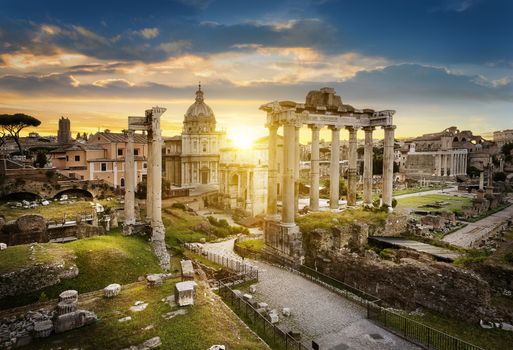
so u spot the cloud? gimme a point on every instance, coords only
(148, 33)
(455, 6)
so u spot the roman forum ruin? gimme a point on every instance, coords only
(321, 109)
(150, 124)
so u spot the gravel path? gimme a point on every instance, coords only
(319, 314)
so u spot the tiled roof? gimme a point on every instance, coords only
(120, 137)
(78, 147)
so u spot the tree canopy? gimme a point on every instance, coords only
(14, 123)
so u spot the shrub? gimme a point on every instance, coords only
(42, 297)
(180, 206)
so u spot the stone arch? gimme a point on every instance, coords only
(78, 192)
(21, 195)
(455, 139)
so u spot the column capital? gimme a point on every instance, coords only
(272, 125)
(335, 127)
(351, 128)
(315, 126)
(389, 127)
(128, 132)
(369, 128)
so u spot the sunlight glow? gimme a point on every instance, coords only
(242, 137)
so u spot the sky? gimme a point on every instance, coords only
(438, 63)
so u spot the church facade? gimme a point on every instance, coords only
(192, 158)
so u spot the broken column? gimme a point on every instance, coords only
(129, 184)
(158, 229)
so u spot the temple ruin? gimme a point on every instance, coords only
(321, 109)
(150, 124)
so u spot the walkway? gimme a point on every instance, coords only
(475, 231)
(319, 314)
(441, 253)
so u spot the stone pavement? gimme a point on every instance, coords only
(319, 314)
(474, 231)
(443, 253)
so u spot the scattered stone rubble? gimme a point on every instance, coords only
(151, 343)
(16, 331)
(112, 290)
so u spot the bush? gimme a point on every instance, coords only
(180, 206)
(42, 297)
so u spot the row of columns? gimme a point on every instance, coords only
(291, 168)
(451, 164)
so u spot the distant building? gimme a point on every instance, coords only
(64, 132)
(446, 154)
(503, 137)
(102, 157)
(192, 158)
(243, 176)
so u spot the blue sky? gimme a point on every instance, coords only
(437, 62)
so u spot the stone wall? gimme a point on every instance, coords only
(35, 277)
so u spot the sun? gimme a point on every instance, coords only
(242, 138)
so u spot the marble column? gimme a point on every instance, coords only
(149, 178)
(296, 170)
(158, 229)
(465, 164)
(445, 164)
(129, 184)
(351, 173)
(367, 166)
(438, 165)
(249, 206)
(453, 165)
(272, 175)
(335, 167)
(289, 158)
(314, 168)
(388, 165)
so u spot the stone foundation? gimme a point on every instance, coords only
(284, 239)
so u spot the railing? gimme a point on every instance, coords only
(238, 266)
(415, 331)
(271, 334)
(403, 326)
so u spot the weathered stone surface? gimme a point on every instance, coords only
(154, 280)
(138, 306)
(3, 246)
(187, 270)
(125, 319)
(43, 329)
(151, 343)
(69, 295)
(217, 347)
(286, 312)
(252, 289)
(74, 320)
(247, 297)
(112, 290)
(66, 306)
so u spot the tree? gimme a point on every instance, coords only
(14, 123)
(499, 176)
(41, 159)
(506, 150)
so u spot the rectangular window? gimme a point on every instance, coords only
(67, 159)
(120, 151)
(136, 152)
(104, 166)
(77, 158)
(145, 165)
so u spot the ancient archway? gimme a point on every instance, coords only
(74, 192)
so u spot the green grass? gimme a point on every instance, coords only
(488, 213)
(326, 220)
(202, 260)
(255, 245)
(472, 255)
(489, 339)
(417, 202)
(101, 260)
(18, 257)
(208, 322)
(415, 190)
(179, 226)
(56, 210)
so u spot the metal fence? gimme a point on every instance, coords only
(403, 326)
(237, 265)
(271, 334)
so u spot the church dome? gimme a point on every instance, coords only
(199, 111)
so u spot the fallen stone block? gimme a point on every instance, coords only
(286, 312)
(67, 306)
(125, 319)
(237, 293)
(273, 318)
(138, 306)
(252, 289)
(74, 320)
(112, 290)
(151, 343)
(155, 280)
(69, 295)
(263, 306)
(170, 315)
(247, 297)
(43, 329)
(217, 347)
(3, 246)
